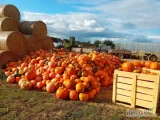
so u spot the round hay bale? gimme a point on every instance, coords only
(33, 42)
(7, 56)
(33, 28)
(9, 11)
(8, 24)
(47, 43)
(13, 41)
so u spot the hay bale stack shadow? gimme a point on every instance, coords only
(33, 42)
(47, 43)
(7, 56)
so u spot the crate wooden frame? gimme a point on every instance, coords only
(134, 90)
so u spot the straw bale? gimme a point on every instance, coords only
(33, 28)
(8, 24)
(33, 42)
(7, 56)
(9, 11)
(13, 41)
(47, 43)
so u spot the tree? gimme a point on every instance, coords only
(97, 42)
(109, 43)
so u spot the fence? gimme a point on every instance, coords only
(137, 46)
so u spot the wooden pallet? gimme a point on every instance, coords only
(136, 90)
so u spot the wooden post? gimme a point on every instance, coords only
(134, 86)
(155, 96)
(114, 88)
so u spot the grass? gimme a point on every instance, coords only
(17, 104)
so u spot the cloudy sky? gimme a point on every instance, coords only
(117, 20)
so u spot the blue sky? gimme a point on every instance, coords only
(90, 20)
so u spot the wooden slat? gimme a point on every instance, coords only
(123, 104)
(114, 88)
(145, 84)
(155, 71)
(124, 74)
(143, 103)
(124, 80)
(133, 98)
(139, 76)
(147, 77)
(124, 86)
(123, 98)
(124, 92)
(144, 97)
(155, 95)
(145, 90)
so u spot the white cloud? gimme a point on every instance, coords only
(89, 22)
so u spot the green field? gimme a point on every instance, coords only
(17, 104)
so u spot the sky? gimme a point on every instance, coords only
(90, 20)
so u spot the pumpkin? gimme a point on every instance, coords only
(50, 87)
(90, 95)
(26, 85)
(83, 97)
(71, 70)
(137, 63)
(97, 90)
(62, 93)
(30, 75)
(147, 64)
(59, 70)
(128, 67)
(11, 79)
(154, 66)
(39, 85)
(86, 84)
(73, 95)
(22, 80)
(80, 87)
(69, 83)
(105, 82)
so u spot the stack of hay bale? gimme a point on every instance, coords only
(17, 38)
(35, 33)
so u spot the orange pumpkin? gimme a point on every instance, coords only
(80, 87)
(73, 95)
(30, 75)
(59, 70)
(83, 97)
(128, 66)
(70, 84)
(137, 63)
(105, 82)
(11, 79)
(154, 66)
(50, 87)
(90, 95)
(147, 64)
(71, 70)
(62, 93)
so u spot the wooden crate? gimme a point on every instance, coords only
(136, 90)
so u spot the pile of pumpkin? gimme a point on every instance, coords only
(138, 66)
(70, 75)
